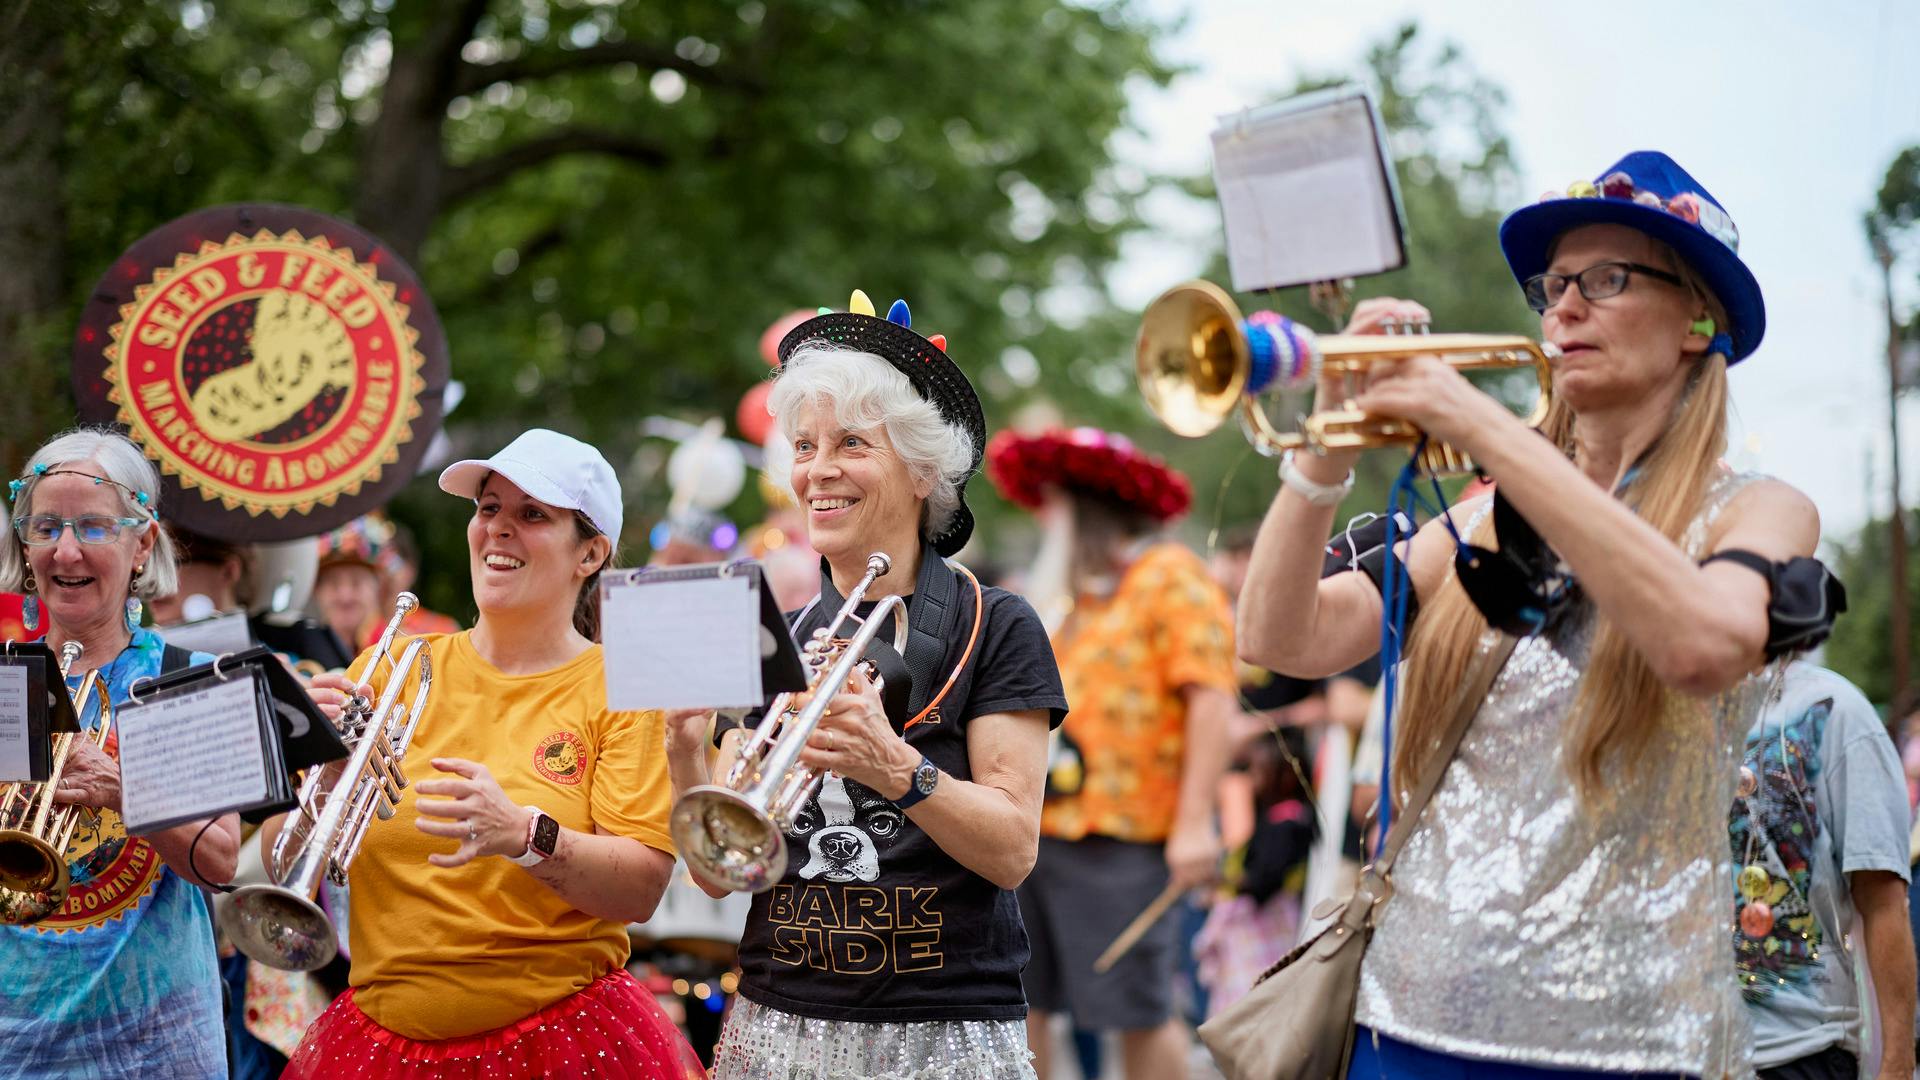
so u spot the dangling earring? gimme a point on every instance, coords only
(135, 608)
(30, 607)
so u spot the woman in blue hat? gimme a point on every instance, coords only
(1560, 907)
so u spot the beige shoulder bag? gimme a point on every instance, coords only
(1297, 1021)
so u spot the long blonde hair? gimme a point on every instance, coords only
(1621, 702)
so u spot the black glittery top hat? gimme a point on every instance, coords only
(924, 361)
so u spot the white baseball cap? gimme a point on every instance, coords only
(556, 469)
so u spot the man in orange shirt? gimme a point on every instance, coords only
(1144, 640)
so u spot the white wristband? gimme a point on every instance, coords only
(1315, 493)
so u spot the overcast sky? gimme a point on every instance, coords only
(1788, 112)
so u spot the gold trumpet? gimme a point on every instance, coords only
(1198, 360)
(34, 833)
(280, 925)
(734, 832)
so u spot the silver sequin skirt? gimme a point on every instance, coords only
(762, 1043)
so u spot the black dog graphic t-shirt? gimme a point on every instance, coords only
(872, 920)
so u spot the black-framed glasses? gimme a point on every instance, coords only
(1597, 282)
(41, 530)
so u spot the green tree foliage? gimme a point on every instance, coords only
(1861, 646)
(609, 200)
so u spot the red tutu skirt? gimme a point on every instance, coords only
(613, 1028)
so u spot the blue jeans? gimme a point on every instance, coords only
(1396, 1060)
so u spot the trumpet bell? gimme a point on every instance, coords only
(279, 928)
(33, 878)
(1192, 358)
(733, 842)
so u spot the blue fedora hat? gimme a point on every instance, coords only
(1649, 191)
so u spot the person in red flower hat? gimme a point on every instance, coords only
(1144, 639)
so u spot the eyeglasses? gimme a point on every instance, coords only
(1596, 282)
(41, 530)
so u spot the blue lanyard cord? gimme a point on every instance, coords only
(1395, 587)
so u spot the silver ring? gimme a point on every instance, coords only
(473, 834)
(829, 742)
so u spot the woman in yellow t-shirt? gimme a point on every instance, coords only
(504, 955)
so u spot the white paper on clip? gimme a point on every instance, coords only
(191, 754)
(1305, 196)
(682, 643)
(216, 634)
(16, 758)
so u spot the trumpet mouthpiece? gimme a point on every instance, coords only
(406, 602)
(879, 563)
(70, 652)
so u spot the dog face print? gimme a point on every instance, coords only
(846, 827)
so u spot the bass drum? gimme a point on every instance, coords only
(690, 923)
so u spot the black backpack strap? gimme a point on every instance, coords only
(173, 658)
(933, 610)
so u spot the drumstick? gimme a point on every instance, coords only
(1137, 928)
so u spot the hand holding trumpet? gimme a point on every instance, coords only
(1423, 390)
(857, 741)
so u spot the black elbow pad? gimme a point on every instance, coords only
(1806, 599)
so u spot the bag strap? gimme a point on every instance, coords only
(1472, 693)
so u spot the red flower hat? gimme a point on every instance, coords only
(1089, 461)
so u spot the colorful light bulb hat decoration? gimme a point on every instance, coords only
(924, 361)
(1089, 461)
(1649, 191)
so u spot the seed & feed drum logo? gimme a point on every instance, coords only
(284, 368)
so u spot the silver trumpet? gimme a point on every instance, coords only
(281, 925)
(734, 832)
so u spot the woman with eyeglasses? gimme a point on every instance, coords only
(120, 979)
(1561, 907)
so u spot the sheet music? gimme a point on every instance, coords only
(16, 757)
(682, 643)
(1304, 193)
(191, 754)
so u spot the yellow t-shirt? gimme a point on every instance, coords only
(444, 953)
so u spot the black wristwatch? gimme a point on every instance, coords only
(920, 784)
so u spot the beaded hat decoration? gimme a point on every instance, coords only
(1650, 192)
(365, 541)
(924, 361)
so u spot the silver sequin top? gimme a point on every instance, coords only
(1526, 927)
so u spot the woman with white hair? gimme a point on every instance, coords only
(892, 946)
(122, 973)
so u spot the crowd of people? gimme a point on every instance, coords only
(1106, 791)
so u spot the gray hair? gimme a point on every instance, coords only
(120, 461)
(866, 392)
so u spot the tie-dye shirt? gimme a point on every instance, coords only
(121, 980)
(1821, 796)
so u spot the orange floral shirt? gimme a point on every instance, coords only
(1124, 661)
